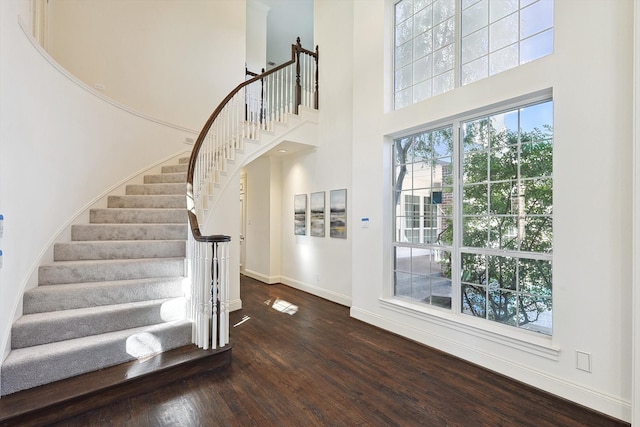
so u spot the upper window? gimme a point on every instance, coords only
(494, 36)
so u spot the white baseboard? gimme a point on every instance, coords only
(317, 291)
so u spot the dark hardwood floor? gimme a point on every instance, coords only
(319, 367)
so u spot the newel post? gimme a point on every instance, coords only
(298, 85)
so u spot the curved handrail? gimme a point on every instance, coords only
(296, 50)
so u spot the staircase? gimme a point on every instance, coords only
(114, 293)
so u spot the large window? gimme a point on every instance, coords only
(488, 229)
(432, 56)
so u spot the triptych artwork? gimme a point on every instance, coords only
(317, 214)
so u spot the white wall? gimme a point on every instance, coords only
(590, 75)
(322, 265)
(62, 147)
(256, 36)
(173, 60)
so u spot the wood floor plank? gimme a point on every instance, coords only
(319, 367)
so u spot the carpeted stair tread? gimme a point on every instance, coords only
(118, 249)
(152, 189)
(148, 201)
(43, 328)
(62, 272)
(177, 177)
(129, 232)
(182, 167)
(93, 294)
(33, 366)
(137, 215)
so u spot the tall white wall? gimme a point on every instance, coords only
(173, 60)
(590, 77)
(322, 265)
(62, 147)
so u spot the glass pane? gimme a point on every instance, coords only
(475, 17)
(476, 135)
(502, 307)
(504, 129)
(475, 45)
(403, 54)
(400, 150)
(441, 279)
(536, 47)
(402, 284)
(503, 60)
(474, 301)
(501, 8)
(400, 222)
(443, 142)
(475, 70)
(475, 231)
(404, 32)
(536, 314)
(422, 20)
(422, 68)
(475, 167)
(535, 18)
(536, 121)
(443, 9)
(422, 176)
(538, 234)
(504, 232)
(502, 272)
(404, 8)
(445, 230)
(443, 83)
(536, 159)
(402, 259)
(422, 91)
(403, 98)
(503, 32)
(474, 199)
(423, 45)
(403, 78)
(444, 34)
(538, 197)
(500, 197)
(473, 269)
(443, 60)
(535, 277)
(503, 163)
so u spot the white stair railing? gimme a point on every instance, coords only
(254, 106)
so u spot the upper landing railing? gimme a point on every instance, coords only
(253, 106)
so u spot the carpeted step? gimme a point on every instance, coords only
(62, 272)
(152, 189)
(83, 232)
(148, 201)
(118, 249)
(43, 328)
(179, 177)
(182, 167)
(93, 294)
(148, 215)
(30, 367)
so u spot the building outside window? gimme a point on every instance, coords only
(487, 230)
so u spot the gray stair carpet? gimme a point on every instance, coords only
(112, 294)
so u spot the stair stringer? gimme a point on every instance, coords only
(300, 129)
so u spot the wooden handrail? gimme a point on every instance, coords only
(296, 50)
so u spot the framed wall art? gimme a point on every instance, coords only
(338, 213)
(317, 214)
(300, 214)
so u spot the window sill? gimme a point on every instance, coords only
(526, 341)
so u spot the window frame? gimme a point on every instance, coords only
(457, 249)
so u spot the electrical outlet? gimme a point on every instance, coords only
(583, 361)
